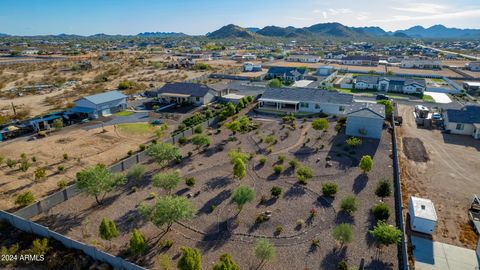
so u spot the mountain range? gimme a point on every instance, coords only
(341, 31)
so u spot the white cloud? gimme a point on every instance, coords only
(428, 8)
(433, 17)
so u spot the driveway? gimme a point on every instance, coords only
(431, 255)
(439, 97)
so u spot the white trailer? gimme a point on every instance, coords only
(423, 217)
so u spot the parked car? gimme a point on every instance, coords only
(436, 116)
(382, 97)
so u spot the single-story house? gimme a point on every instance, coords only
(421, 63)
(473, 66)
(194, 93)
(361, 60)
(325, 70)
(103, 104)
(304, 58)
(391, 84)
(465, 121)
(307, 100)
(251, 67)
(365, 120)
(286, 73)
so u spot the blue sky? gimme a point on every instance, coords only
(87, 17)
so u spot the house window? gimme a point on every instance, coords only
(317, 106)
(459, 127)
(304, 104)
(197, 99)
(341, 108)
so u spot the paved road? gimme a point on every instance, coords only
(449, 52)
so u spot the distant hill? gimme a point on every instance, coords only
(3, 35)
(253, 29)
(160, 34)
(440, 31)
(231, 31)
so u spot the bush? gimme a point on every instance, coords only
(261, 218)
(62, 184)
(136, 172)
(182, 140)
(107, 229)
(11, 163)
(278, 230)
(342, 265)
(61, 168)
(165, 262)
(40, 173)
(278, 169)
(329, 189)
(25, 198)
(190, 181)
(226, 263)
(130, 152)
(190, 259)
(366, 163)
(281, 158)
(300, 223)
(262, 160)
(384, 189)
(304, 173)
(198, 130)
(320, 124)
(24, 165)
(349, 204)
(294, 163)
(276, 191)
(142, 147)
(137, 243)
(270, 140)
(65, 156)
(166, 243)
(381, 211)
(353, 142)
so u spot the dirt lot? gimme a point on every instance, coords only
(84, 148)
(215, 233)
(445, 172)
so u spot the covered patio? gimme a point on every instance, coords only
(279, 105)
(174, 97)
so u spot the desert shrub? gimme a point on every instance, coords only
(343, 233)
(353, 142)
(166, 243)
(108, 229)
(62, 184)
(165, 262)
(137, 244)
(24, 165)
(190, 181)
(39, 247)
(278, 230)
(190, 259)
(366, 163)
(61, 168)
(282, 158)
(271, 139)
(342, 265)
(130, 152)
(320, 124)
(384, 189)
(25, 198)
(65, 156)
(381, 211)
(349, 204)
(276, 191)
(198, 129)
(329, 189)
(136, 172)
(40, 173)
(142, 147)
(304, 173)
(294, 163)
(262, 160)
(278, 169)
(226, 263)
(11, 163)
(300, 223)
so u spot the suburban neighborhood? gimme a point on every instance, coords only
(311, 146)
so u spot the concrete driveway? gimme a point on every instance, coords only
(431, 255)
(439, 97)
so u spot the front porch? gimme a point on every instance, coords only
(174, 98)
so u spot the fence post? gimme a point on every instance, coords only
(137, 158)
(122, 166)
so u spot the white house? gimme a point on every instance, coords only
(360, 60)
(365, 120)
(423, 217)
(303, 58)
(251, 67)
(391, 84)
(473, 66)
(465, 121)
(421, 63)
(307, 100)
(103, 104)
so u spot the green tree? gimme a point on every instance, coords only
(239, 168)
(264, 251)
(234, 126)
(304, 173)
(320, 124)
(329, 189)
(236, 153)
(108, 229)
(388, 107)
(242, 195)
(163, 152)
(201, 140)
(230, 110)
(167, 180)
(343, 233)
(349, 204)
(168, 210)
(275, 83)
(384, 189)
(191, 259)
(98, 181)
(366, 164)
(123, 85)
(57, 123)
(385, 234)
(381, 211)
(226, 263)
(136, 172)
(137, 243)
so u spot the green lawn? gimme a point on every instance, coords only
(137, 128)
(439, 81)
(124, 113)
(428, 98)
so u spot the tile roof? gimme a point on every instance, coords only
(192, 89)
(469, 114)
(307, 95)
(105, 97)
